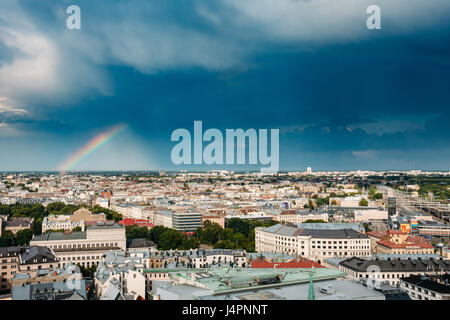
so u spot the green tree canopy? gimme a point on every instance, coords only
(363, 202)
(23, 237)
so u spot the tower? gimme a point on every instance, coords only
(311, 295)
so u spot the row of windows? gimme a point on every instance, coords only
(412, 288)
(81, 258)
(84, 246)
(6, 260)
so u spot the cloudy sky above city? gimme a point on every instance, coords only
(344, 97)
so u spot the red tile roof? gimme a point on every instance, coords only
(412, 242)
(376, 234)
(396, 232)
(138, 222)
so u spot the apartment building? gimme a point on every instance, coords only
(186, 221)
(9, 266)
(119, 280)
(314, 244)
(164, 218)
(294, 216)
(398, 242)
(427, 287)
(61, 222)
(207, 258)
(25, 260)
(80, 218)
(85, 247)
(52, 284)
(15, 224)
(129, 211)
(391, 270)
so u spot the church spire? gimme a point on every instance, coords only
(311, 295)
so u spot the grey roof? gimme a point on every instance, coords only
(438, 284)
(37, 253)
(140, 243)
(332, 226)
(52, 236)
(334, 234)
(50, 287)
(177, 292)
(404, 256)
(9, 251)
(165, 213)
(275, 256)
(397, 265)
(19, 222)
(286, 230)
(105, 225)
(338, 290)
(111, 293)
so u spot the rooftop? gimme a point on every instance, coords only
(439, 284)
(286, 230)
(397, 265)
(226, 279)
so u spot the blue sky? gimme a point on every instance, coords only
(344, 97)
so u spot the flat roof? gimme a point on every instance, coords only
(52, 236)
(338, 290)
(217, 279)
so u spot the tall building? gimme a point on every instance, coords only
(186, 221)
(392, 206)
(309, 170)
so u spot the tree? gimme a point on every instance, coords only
(24, 236)
(367, 227)
(378, 196)
(110, 214)
(363, 202)
(210, 233)
(6, 239)
(88, 272)
(372, 191)
(239, 225)
(133, 232)
(155, 233)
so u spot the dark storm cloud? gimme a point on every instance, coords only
(316, 73)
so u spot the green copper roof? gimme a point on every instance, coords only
(164, 270)
(226, 279)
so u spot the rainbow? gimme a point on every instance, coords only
(90, 147)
